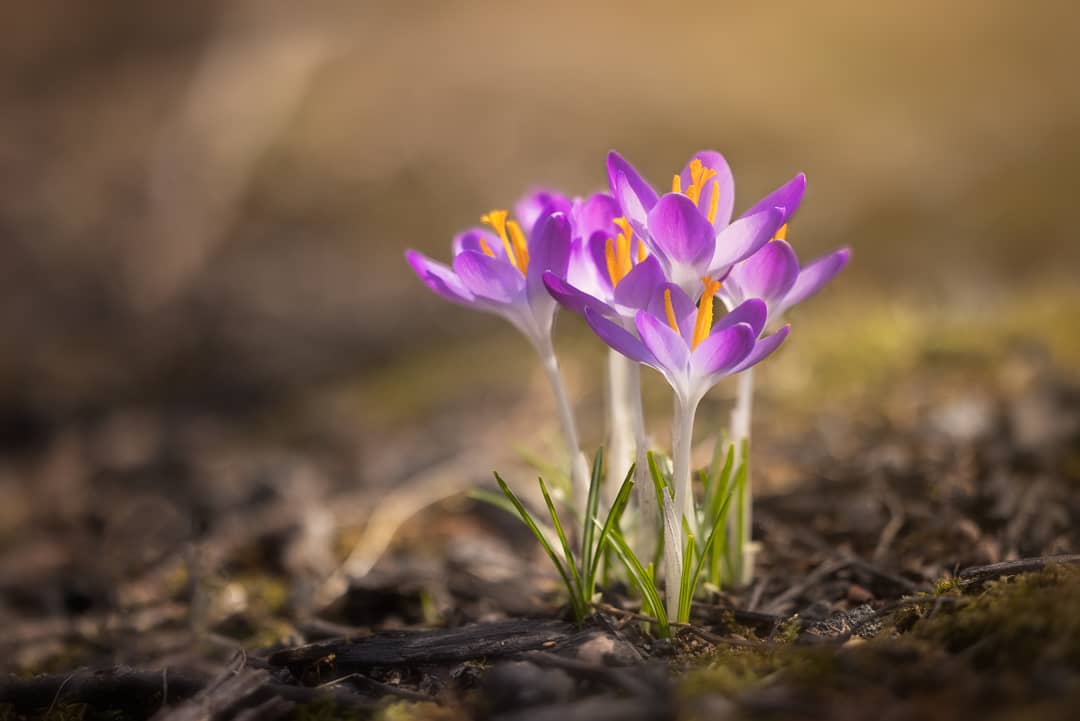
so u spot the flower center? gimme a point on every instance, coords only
(704, 318)
(699, 175)
(617, 252)
(513, 239)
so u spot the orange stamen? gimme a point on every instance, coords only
(714, 201)
(676, 184)
(642, 251)
(704, 320)
(670, 310)
(486, 248)
(521, 246)
(497, 220)
(612, 263)
(617, 252)
(782, 233)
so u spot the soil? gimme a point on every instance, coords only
(917, 561)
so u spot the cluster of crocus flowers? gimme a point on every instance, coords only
(645, 270)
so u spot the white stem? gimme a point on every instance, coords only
(644, 493)
(620, 450)
(579, 469)
(673, 558)
(682, 430)
(740, 431)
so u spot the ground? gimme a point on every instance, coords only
(917, 509)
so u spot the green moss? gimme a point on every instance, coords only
(1014, 623)
(325, 709)
(945, 586)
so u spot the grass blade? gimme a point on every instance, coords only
(612, 522)
(524, 514)
(650, 596)
(687, 584)
(591, 505)
(567, 553)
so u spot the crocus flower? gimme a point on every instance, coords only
(610, 271)
(689, 229)
(680, 340)
(501, 270)
(773, 274)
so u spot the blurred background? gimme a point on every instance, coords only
(205, 206)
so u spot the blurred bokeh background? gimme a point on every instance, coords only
(205, 204)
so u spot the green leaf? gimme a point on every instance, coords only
(687, 582)
(591, 506)
(579, 612)
(493, 499)
(659, 483)
(567, 553)
(650, 596)
(612, 522)
(707, 551)
(723, 481)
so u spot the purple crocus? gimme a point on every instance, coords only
(678, 338)
(689, 229)
(610, 270)
(773, 274)
(501, 271)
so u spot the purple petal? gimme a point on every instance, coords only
(639, 286)
(538, 202)
(632, 183)
(726, 181)
(763, 349)
(754, 312)
(679, 228)
(788, 196)
(490, 278)
(684, 306)
(549, 250)
(630, 204)
(470, 240)
(572, 299)
(618, 338)
(670, 350)
(724, 349)
(769, 273)
(743, 238)
(588, 266)
(440, 278)
(596, 214)
(815, 275)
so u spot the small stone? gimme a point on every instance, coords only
(858, 594)
(519, 684)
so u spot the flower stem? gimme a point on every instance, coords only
(644, 493)
(579, 470)
(620, 451)
(682, 430)
(739, 529)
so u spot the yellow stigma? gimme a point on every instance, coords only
(699, 175)
(676, 184)
(703, 322)
(617, 252)
(670, 310)
(782, 233)
(509, 232)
